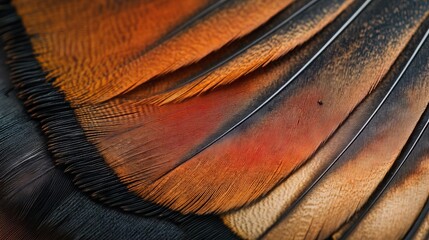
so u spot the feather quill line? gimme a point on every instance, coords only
(186, 24)
(248, 46)
(314, 183)
(286, 84)
(413, 230)
(350, 230)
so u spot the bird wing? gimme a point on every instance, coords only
(241, 118)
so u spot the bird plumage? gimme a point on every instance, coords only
(165, 119)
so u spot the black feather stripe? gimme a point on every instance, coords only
(67, 143)
(65, 138)
(23, 173)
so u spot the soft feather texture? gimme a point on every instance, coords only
(37, 198)
(130, 65)
(281, 39)
(144, 159)
(285, 119)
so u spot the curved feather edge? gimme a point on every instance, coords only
(66, 141)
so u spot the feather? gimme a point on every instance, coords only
(399, 200)
(135, 65)
(40, 201)
(306, 180)
(400, 164)
(133, 162)
(420, 228)
(214, 119)
(259, 53)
